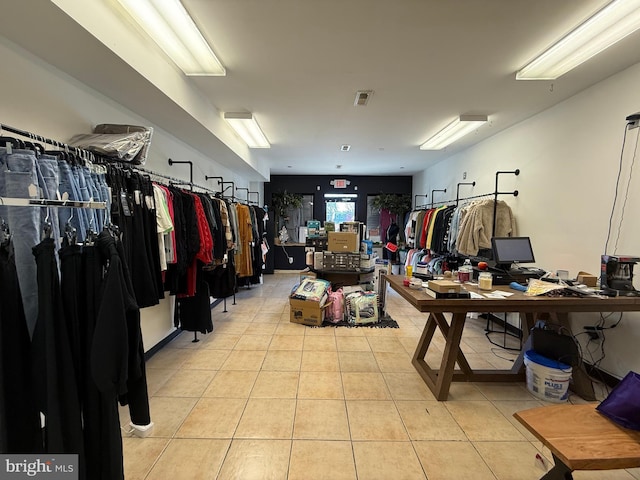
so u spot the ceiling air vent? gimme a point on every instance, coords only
(345, 148)
(362, 97)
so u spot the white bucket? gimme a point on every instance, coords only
(547, 379)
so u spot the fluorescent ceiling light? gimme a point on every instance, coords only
(340, 195)
(610, 25)
(172, 28)
(454, 131)
(246, 126)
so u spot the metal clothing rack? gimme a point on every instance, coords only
(496, 192)
(257, 193)
(433, 191)
(42, 202)
(473, 184)
(247, 190)
(415, 199)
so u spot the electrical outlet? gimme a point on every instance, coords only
(290, 260)
(464, 175)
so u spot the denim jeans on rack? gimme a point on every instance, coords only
(83, 191)
(48, 175)
(69, 185)
(106, 194)
(21, 181)
(94, 221)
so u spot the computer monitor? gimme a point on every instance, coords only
(508, 250)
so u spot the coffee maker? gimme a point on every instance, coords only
(616, 274)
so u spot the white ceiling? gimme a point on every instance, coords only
(297, 64)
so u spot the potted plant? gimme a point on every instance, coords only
(396, 204)
(282, 202)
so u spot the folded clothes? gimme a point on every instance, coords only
(311, 289)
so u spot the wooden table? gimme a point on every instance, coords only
(558, 308)
(581, 439)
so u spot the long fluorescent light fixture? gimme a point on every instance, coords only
(608, 26)
(457, 129)
(172, 28)
(246, 126)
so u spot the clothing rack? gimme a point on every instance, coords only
(240, 188)
(258, 194)
(496, 192)
(233, 189)
(220, 179)
(173, 180)
(433, 191)
(415, 199)
(473, 184)
(41, 202)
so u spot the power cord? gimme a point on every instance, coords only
(615, 196)
(626, 194)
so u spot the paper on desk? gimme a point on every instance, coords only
(475, 295)
(498, 294)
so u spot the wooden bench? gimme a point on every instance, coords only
(580, 438)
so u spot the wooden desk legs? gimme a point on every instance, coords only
(439, 381)
(558, 472)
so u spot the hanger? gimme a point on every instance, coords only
(47, 229)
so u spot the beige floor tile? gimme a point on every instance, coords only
(276, 385)
(190, 459)
(511, 460)
(350, 332)
(290, 329)
(409, 343)
(502, 362)
(603, 474)
(244, 360)
(464, 391)
(205, 359)
(256, 460)
(352, 344)
(261, 329)
(231, 384)
(318, 460)
(267, 317)
(634, 472)
(429, 420)
(394, 362)
(358, 362)
(168, 413)
(186, 383)
(169, 358)
(505, 391)
(321, 420)
(157, 377)
(140, 454)
(286, 342)
(387, 460)
(185, 340)
(213, 418)
(452, 460)
(318, 361)
(407, 386)
(320, 385)
(385, 344)
(474, 416)
(324, 343)
(375, 420)
(282, 360)
(364, 386)
(320, 332)
(509, 407)
(270, 418)
(231, 328)
(253, 342)
(477, 361)
(220, 341)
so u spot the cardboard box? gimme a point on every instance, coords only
(306, 312)
(444, 286)
(587, 279)
(342, 242)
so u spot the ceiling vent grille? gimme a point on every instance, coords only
(362, 97)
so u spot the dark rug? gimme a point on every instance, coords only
(385, 322)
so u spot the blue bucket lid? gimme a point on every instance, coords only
(535, 357)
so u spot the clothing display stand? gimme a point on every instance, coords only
(258, 194)
(473, 184)
(221, 182)
(415, 199)
(247, 190)
(433, 191)
(496, 192)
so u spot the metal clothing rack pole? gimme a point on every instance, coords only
(240, 188)
(233, 189)
(190, 163)
(496, 192)
(42, 202)
(257, 193)
(415, 199)
(473, 184)
(173, 180)
(220, 179)
(432, 191)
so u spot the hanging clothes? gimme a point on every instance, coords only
(476, 229)
(244, 245)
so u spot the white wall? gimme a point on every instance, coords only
(41, 99)
(568, 156)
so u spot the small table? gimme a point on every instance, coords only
(581, 439)
(558, 308)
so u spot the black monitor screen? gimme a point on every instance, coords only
(507, 250)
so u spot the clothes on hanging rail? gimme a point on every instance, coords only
(476, 227)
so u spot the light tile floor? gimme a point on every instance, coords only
(262, 398)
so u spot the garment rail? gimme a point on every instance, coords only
(173, 180)
(247, 190)
(415, 199)
(433, 191)
(258, 194)
(220, 179)
(37, 202)
(496, 192)
(233, 189)
(473, 184)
